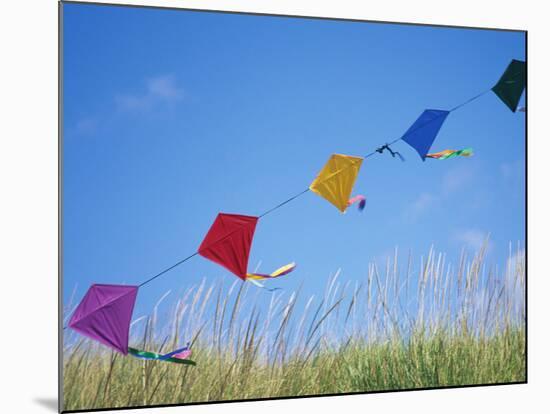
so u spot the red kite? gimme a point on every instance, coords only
(228, 243)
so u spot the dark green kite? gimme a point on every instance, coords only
(511, 84)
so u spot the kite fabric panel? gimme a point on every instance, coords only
(511, 84)
(336, 180)
(228, 242)
(422, 133)
(443, 155)
(104, 315)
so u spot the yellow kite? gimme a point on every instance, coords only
(335, 181)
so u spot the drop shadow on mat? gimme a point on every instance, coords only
(49, 403)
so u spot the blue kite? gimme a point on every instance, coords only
(422, 133)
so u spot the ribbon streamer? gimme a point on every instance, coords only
(361, 199)
(443, 155)
(258, 284)
(284, 270)
(173, 356)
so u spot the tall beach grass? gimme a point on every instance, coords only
(403, 325)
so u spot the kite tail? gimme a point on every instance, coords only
(361, 199)
(467, 152)
(284, 270)
(445, 154)
(181, 353)
(178, 356)
(186, 353)
(255, 282)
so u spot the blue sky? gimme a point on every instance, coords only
(171, 117)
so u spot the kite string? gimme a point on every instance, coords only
(470, 100)
(283, 203)
(168, 269)
(288, 200)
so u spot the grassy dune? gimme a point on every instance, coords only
(400, 328)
